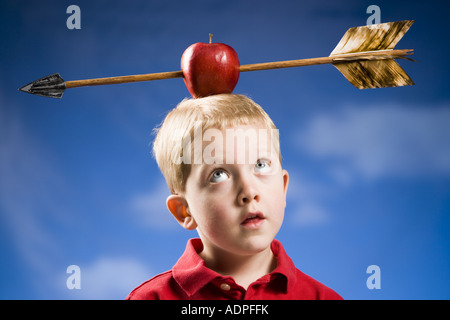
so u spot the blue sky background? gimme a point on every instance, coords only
(369, 170)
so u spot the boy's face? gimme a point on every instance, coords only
(237, 196)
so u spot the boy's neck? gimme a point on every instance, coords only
(244, 269)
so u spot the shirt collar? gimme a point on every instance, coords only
(192, 274)
(285, 265)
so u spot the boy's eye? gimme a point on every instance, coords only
(218, 176)
(262, 165)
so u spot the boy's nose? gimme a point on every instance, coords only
(248, 192)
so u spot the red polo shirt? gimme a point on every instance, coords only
(191, 279)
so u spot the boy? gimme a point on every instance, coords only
(221, 159)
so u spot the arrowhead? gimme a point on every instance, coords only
(51, 86)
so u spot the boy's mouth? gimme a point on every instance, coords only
(253, 220)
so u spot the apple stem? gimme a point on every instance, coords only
(210, 37)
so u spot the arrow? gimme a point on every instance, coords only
(365, 56)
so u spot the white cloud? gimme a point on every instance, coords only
(309, 214)
(382, 141)
(109, 278)
(149, 208)
(304, 202)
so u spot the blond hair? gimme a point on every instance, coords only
(217, 111)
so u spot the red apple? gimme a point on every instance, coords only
(210, 68)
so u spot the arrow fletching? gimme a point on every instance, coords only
(374, 74)
(372, 71)
(51, 86)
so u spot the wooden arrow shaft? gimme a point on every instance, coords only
(325, 60)
(124, 79)
(386, 54)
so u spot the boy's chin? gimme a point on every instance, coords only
(255, 245)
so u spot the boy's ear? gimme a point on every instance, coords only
(178, 206)
(285, 184)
